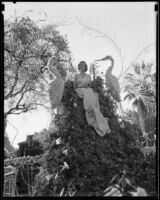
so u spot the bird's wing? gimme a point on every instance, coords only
(55, 91)
(115, 83)
(56, 87)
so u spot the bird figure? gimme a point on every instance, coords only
(56, 86)
(105, 58)
(111, 81)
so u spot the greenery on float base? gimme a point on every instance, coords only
(81, 163)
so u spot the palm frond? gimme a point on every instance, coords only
(129, 97)
(141, 88)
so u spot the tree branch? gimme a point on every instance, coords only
(13, 86)
(20, 99)
(21, 90)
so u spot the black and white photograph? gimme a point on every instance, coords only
(80, 99)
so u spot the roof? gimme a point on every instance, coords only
(22, 142)
(25, 142)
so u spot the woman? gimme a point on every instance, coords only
(82, 85)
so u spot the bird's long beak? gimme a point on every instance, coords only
(102, 59)
(98, 60)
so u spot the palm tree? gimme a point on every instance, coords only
(140, 87)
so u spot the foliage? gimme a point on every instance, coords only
(121, 186)
(141, 87)
(7, 144)
(93, 69)
(21, 161)
(26, 168)
(8, 148)
(81, 163)
(41, 181)
(26, 51)
(42, 137)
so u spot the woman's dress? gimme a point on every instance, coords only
(91, 105)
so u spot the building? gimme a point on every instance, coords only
(29, 147)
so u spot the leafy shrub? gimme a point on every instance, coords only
(81, 163)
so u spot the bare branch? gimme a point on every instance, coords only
(9, 51)
(22, 95)
(18, 109)
(7, 66)
(15, 113)
(40, 104)
(11, 110)
(21, 90)
(30, 56)
(13, 86)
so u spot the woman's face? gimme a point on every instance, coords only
(82, 67)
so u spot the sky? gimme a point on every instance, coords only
(132, 25)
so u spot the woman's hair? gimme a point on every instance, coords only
(83, 62)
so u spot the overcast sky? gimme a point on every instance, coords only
(132, 25)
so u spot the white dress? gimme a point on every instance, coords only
(91, 105)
